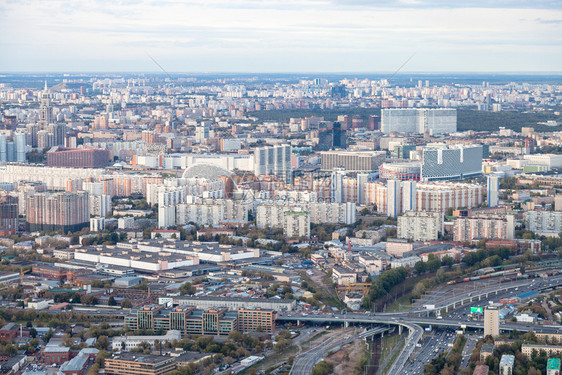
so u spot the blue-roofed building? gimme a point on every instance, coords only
(553, 366)
(527, 295)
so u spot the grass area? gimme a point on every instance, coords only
(387, 346)
(402, 303)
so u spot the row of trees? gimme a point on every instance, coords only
(383, 283)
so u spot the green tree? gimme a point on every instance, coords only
(102, 343)
(420, 267)
(187, 289)
(323, 368)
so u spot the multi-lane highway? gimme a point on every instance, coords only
(304, 363)
(413, 318)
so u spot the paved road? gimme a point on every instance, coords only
(414, 336)
(471, 341)
(431, 345)
(304, 363)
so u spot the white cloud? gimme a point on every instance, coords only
(252, 35)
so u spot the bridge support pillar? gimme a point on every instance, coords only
(479, 297)
(298, 322)
(399, 329)
(446, 309)
(346, 324)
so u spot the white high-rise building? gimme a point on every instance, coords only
(274, 161)
(296, 224)
(546, 223)
(97, 224)
(362, 179)
(3, 148)
(337, 185)
(331, 213)
(19, 140)
(419, 120)
(491, 321)
(166, 216)
(202, 132)
(100, 205)
(420, 225)
(493, 190)
(409, 196)
(394, 198)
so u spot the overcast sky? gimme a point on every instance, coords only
(281, 35)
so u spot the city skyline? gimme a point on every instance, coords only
(273, 36)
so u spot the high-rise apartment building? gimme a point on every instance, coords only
(419, 120)
(67, 212)
(100, 205)
(491, 321)
(491, 226)
(202, 132)
(426, 196)
(101, 122)
(546, 223)
(493, 190)
(420, 225)
(296, 224)
(8, 214)
(409, 195)
(394, 198)
(274, 160)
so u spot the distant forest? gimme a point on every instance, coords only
(467, 119)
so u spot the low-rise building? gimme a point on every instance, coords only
(8, 332)
(550, 350)
(128, 343)
(209, 302)
(342, 275)
(486, 350)
(189, 320)
(553, 366)
(507, 362)
(135, 364)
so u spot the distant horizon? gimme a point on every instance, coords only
(402, 74)
(281, 36)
